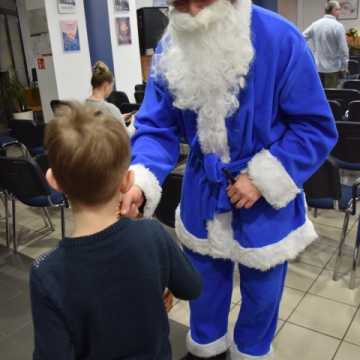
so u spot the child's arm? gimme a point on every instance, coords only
(184, 281)
(52, 340)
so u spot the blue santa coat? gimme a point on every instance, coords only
(281, 134)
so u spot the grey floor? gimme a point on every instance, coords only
(16, 333)
(319, 319)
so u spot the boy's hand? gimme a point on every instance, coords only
(131, 202)
(168, 300)
(243, 194)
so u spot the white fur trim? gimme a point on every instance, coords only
(217, 141)
(150, 185)
(272, 179)
(221, 243)
(205, 351)
(237, 355)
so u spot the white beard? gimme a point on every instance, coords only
(205, 61)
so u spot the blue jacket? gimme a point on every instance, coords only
(281, 134)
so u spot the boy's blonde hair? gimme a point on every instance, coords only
(89, 153)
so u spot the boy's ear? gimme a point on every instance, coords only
(127, 182)
(52, 181)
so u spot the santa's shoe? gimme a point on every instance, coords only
(190, 356)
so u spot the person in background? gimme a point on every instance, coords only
(99, 294)
(331, 51)
(102, 83)
(240, 85)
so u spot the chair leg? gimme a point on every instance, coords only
(341, 245)
(315, 213)
(48, 221)
(13, 203)
(356, 256)
(62, 212)
(6, 204)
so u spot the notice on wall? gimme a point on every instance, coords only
(123, 30)
(70, 35)
(66, 6)
(121, 5)
(41, 65)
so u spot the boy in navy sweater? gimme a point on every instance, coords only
(99, 294)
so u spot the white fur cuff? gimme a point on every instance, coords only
(205, 351)
(150, 185)
(272, 180)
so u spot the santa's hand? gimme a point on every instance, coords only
(131, 202)
(243, 194)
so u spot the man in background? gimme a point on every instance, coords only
(329, 43)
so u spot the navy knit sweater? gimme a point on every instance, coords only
(101, 296)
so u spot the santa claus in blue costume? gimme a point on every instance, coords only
(239, 84)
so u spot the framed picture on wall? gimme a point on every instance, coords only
(66, 6)
(349, 9)
(70, 35)
(123, 30)
(121, 5)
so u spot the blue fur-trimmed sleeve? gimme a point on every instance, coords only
(155, 145)
(281, 170)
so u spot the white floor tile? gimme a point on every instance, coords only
(348, 352)
(353, 335)
(290, 300)
(346, 260)
(180, 313)
(326, 316)
(329, 218)
(296, 343)
(319, 252)
(336, 290)
(279, 326)
(301, 276)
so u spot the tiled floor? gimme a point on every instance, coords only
(319, 318)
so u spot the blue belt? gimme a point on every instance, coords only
(208, 169)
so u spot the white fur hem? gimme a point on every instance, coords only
(237, 355)
(272, 180)
(205, 351)
(221, 243)
(149, 184)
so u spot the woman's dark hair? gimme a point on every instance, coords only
(101, 74)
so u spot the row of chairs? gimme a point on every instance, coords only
(121, 100)
(340, 100)
(22, 178)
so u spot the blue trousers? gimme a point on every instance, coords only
(255, 328)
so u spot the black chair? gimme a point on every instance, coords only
(29, 134)
(346, 150)
(324, 191)
(10, 146)
(170, 199)
(355, 57)
(353, 67)
(354, 111)
(336, 110)
(118, 98)
(139, 96)
(140, 87)
(343, 96)
(352, 84)
(129, 107)
(23, 180)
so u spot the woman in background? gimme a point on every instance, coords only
(102, 83)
